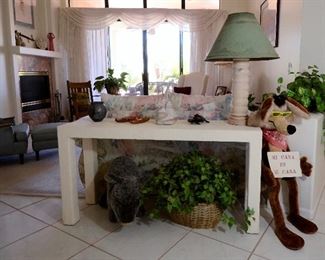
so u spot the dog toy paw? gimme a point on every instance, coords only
(305, 166)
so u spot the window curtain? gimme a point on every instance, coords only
(85, 42)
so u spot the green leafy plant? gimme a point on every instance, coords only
(252, 105)
(190, 179)
(111, 83)
(279, 90)
(308, 88)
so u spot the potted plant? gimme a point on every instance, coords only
(308, 88)
(190, 184)
(110, 83)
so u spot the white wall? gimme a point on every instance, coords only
(234, 6)
(58, 66)
(313, 37)
(46, 15)
(265, 73)
(7, 93)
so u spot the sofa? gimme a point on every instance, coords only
(14, 140)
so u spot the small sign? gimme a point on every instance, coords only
(285, 164)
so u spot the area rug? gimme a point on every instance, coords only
(33, 178)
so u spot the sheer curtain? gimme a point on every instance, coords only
(84, 35)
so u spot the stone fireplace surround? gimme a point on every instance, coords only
(38, 64)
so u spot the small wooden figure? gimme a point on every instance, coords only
(50, 37)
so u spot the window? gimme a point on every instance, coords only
(164, 4)
(125, 57)
(163, 57)
(87, 3)
(150, 57)
(125, 3)
(202, 4)
(189, 4)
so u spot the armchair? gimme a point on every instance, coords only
(196, 80)
(14, 140)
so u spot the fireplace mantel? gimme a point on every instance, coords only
(36, 52)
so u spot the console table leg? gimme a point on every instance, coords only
(68, 176)
(253, 183)
(90, 165)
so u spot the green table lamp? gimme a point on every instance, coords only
(240, 40)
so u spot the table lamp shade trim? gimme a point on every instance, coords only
(241, 38)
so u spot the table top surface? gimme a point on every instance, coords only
(182, 130)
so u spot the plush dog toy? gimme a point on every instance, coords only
(274, 118)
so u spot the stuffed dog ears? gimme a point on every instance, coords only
(297, 108)
(294, 106)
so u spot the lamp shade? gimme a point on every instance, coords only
(241, 37)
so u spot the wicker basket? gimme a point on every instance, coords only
(202, 216)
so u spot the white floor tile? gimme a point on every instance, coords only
(93, 254)
(49, 243)
(234, 237)
(5, 209)
(93, 225)
(140, 240)
(48, 210)
(19, 201)
(83, 204)
(271, 248)
(256, 257)
(16, 225)
(320, 218)
(195, 246)
(322, 201)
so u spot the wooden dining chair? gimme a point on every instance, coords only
(80, 97)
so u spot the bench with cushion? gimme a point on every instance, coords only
(44, 136)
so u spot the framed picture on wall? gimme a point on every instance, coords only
(269, 19)
(221, 90)
(23, 12)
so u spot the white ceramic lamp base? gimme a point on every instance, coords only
(240, 92)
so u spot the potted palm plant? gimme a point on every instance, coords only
(194, 189)
(110, 83)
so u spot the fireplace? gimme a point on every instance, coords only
(35, 91)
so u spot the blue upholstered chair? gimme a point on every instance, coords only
(14, 140)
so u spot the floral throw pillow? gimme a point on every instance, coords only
(184, 106)
(211, 107)
(122, 106)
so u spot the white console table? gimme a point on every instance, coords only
(89, 131)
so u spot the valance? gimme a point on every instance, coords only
(142, 18)
(85, 41)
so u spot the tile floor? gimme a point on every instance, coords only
(30, 228)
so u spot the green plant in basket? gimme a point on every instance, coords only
(308, 88)
(188, 180)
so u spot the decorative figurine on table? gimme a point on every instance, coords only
(166, 115)
(274, 117)
(50, 37)
(19, 40)
(197, 119)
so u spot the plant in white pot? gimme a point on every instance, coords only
(308, 88)
(111, 83)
